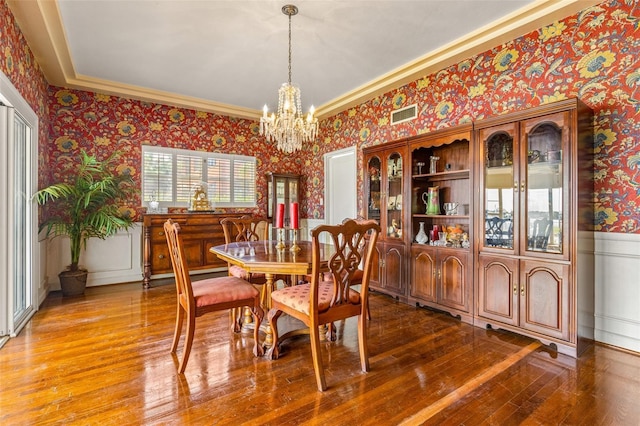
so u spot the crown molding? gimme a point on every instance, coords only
(41, 25)
(514, 25)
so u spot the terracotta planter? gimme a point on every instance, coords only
(73, 283)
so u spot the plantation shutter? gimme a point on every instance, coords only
(244, 181)
(170, 176)
(157, 181)
(219, 180)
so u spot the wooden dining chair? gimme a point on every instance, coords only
(323, 301)
(356, 278)
(248, 228)
(200, 297)
(242, 229)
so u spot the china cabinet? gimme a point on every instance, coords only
(386, 187)
(441, 185)
(282, 188)
(534, 225)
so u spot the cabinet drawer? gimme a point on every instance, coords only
(160, 260)
(190, 233)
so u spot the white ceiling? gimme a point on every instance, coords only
(230, 56)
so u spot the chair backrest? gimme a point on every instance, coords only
(178, 260)
(498, 232)
(245, 228)
(362, 221)
(353, 241)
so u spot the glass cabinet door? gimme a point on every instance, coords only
(544, 206)
(374, 167)
(498, 198)
(394, 192)
(293, 191)
(282, 189)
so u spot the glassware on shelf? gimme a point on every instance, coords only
(421, 237)
(433, 167)
(450, 209)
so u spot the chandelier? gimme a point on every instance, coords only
(288, 127)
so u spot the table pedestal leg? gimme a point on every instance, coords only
(268, 340)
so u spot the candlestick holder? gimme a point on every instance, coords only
(280, 245)
(294, 243)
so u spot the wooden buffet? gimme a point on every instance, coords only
(523, 184)
(200, 232)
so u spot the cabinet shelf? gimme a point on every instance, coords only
(418, 245)
(440, 216)
(455, 174)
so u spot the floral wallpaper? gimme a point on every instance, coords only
(593, 55)
(18, 64)
(102, 124)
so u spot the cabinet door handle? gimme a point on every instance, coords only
(522, 186)
(522, 291)
(439, 274)
(161, 233)
(161, 256)
(515, 185)
(515, 289)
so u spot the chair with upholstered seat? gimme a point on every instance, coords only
(200, 297)
(248, 228)
(241, 229)
(324, 301)
(356, 279)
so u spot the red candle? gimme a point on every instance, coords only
(280, 216)
(294, 215)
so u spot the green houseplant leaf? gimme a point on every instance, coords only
(87, 204)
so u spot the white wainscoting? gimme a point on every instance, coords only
(117, 259)
(617, 289)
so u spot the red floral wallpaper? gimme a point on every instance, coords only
(593, 55)
(102, 124)
(18, 64)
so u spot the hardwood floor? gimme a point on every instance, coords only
(103, 358)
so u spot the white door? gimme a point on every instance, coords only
(18, 215)
(340, 173)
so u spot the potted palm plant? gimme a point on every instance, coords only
(85, 205)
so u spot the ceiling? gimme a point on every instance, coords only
(230, 56)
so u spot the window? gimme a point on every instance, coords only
(169, 175)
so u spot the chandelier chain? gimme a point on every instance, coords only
(289, 47)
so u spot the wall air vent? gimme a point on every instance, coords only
(404, 114)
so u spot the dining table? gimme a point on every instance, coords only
(265, 257)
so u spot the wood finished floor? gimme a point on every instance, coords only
(103, 359)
